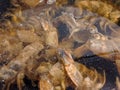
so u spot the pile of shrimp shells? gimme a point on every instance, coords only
(37, 44)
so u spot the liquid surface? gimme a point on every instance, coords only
(88, 29)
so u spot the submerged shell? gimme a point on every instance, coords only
(31, 39)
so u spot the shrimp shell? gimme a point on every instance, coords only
(70, 68)
(9, 71)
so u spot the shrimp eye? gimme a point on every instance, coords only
(71, 2)
(92, 30)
